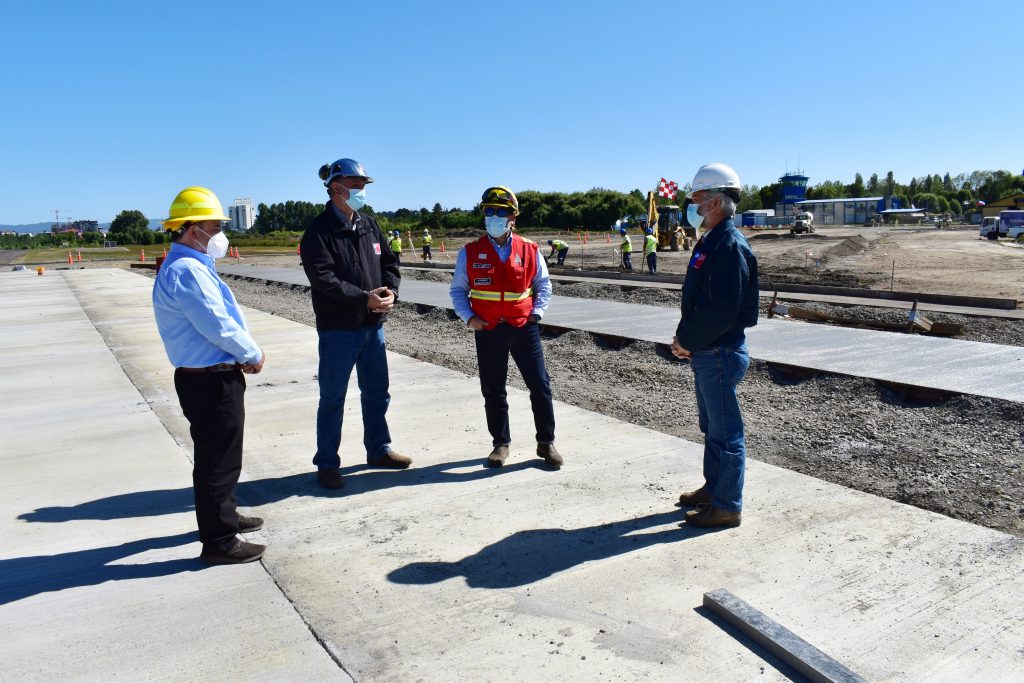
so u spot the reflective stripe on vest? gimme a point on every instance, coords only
(500, 296)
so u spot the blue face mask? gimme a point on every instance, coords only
(496, 225)
(356, 199)
(693, 216)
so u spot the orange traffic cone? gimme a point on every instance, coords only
(142, 255)
(79, 255)
(165, 252)
(442, 247)
(70, 260)
(237, 254)
(608, 239)
(298, 249)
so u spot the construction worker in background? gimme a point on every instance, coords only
(500, 289)
(720, 300)
(396, 246)
(354, 281)
(559, 247)
(427, 241)
(651, 251)
(207, 341)
(626, 247)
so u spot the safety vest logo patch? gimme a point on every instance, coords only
(481, 281)
(481, 265)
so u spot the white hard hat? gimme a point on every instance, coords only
(714, 177)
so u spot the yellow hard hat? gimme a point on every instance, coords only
(194, 204)
(500, 197)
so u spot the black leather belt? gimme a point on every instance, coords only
(219, 367)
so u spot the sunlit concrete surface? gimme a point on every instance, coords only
(449, 570)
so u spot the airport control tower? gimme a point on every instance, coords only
(794, 189)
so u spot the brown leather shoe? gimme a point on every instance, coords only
(391, 461)
(240, 553)
(330, 478)
(498, 456)
(249, 524)
(701, 496)
(711, 517)
(550, 454)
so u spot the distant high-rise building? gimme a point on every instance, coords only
(242, 214)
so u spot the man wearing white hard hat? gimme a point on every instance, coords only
(720, 300)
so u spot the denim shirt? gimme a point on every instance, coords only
(459, 290)
(198, 317)
(720, 293)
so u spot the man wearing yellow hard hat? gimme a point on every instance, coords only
(208, 343)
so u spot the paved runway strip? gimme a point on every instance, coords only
(451, 570)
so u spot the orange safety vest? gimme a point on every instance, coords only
(501, 292)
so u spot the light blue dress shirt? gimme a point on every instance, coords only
(459, 291)
(198, 317)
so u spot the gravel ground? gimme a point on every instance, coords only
(960, 457)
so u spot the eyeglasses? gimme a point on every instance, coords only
(499, 212)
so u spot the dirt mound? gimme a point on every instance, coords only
(787, 236)
(851, 246)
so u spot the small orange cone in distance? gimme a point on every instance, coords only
(79, 255)
(142, 255)
(70, 260)
(165, 252)
(442, 247)
(298, 249)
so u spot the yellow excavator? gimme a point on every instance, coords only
(670, 226)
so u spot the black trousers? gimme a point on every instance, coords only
(493, 348)
(214, 405)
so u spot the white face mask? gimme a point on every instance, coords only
(496, 225)
(217, 247)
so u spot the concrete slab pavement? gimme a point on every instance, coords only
(451, 570)
(116, 590)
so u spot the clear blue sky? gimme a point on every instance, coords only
(107, 106)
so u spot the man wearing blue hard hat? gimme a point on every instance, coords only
(354, 279)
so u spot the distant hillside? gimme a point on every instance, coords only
(154, 224)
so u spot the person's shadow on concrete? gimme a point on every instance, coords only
(23, 577)
(535, 554)
(256, 492)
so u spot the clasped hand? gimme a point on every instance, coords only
(380, 300)
(678, 351)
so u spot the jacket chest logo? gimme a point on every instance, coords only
(376, 248)
(698, 260)
(481, 281)
(479, 266)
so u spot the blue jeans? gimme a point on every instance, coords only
(716, 374)
(340, 351)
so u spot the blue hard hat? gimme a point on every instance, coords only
(345, 168)
(550, 242)
(649, 231)
(622, 231)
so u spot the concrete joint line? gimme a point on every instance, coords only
(777, 639)
(284, 594)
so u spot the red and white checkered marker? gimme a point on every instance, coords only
(668, 189)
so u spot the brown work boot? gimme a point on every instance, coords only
(711, 517)
(550, 454)
(701, 496)
(391, 461)
(498, 456)
(249, 524)
(240, 553)
(329, 478)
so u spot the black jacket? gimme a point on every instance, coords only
(720, 292)
(342, 265)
